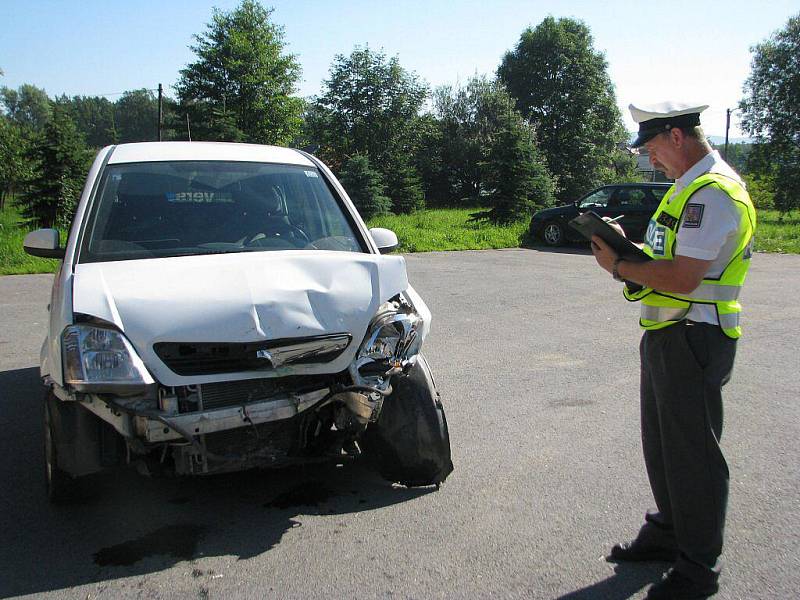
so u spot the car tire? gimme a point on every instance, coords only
(410, 441)
(553, 233)
(61, 487)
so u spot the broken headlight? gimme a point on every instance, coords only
(102, 360)
(391, 345)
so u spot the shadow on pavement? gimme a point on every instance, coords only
(627, 580)
(570, 248)
(136, 525)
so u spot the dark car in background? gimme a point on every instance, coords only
(636, 202)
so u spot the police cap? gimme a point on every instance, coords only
(658, 118)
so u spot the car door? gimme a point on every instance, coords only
(632, 203)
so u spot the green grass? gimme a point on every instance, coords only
(776, 233)
(13, 259)
(449, 229)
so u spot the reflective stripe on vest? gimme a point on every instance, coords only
(664, 314)
(660, 309)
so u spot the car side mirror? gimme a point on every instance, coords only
(385, 239)
(43, 243)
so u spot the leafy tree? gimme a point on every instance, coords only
(516, 175)
(14, 166)
(429, 162)
(470, 117)
(771, 110)
(60, 160)
(27, 106)
(136, 116)
(364, 187)
(93, 117)
(737, 156)
(370, 106)
(240, 87)
(562, 87)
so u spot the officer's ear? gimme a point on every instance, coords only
(677, 137)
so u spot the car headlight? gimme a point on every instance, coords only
(102, 360)
(391, 344)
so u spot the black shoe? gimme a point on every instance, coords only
(641, 551)
(676, 586)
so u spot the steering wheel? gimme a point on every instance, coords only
(294, 235)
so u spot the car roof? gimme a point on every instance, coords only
(642, 184)
(181, 151)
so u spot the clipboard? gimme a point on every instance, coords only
(590, 223)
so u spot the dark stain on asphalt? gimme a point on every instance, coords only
(179, 541)
(308, 493)
(572, 402)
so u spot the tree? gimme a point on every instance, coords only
(136, 116)
(562, 87)
(517, 179)
(241, 84)
(370, 106)
(364, 187)
(470, 117)
(93, 117)
(14, 166)
(404, 185)
(771, 111)
(60, 160)
(28, 106)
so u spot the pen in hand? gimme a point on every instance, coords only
(614, 220)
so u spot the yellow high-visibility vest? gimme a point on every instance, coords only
(661, 309)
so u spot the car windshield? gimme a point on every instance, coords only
(159, 209)
(598, 199)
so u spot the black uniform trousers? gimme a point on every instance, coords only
(683, 368)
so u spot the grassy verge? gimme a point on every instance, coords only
(776, 233)
(449, 229)
(13, 259)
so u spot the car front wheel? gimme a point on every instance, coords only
(61, 487)
(410, 441)
(553, 234)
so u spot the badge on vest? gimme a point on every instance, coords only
(693, 215)
(667, 220)
(656, 238)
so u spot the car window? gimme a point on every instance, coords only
(629, 197)
(150, 210)
(598, 199)
(658, 193)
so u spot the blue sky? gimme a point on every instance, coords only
(688, 50)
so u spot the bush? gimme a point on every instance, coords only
(761, 190)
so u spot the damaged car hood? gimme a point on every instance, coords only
(239, 298)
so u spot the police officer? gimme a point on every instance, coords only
(700, 239)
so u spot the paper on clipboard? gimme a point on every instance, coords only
(590, 223)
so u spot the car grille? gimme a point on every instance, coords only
(273, 440)
(237, 393)
(209, 358)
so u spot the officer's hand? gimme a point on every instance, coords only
(616, 226)
(603, 253)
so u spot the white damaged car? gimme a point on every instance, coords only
(223, 306)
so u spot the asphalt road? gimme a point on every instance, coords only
(535, 354)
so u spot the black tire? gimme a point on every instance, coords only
(553, 233)
(410, 441)
(60, 486)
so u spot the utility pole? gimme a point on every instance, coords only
(728, 112)
(160, 110)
